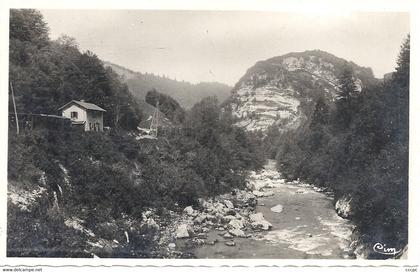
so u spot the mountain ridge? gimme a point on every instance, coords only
(186, 93)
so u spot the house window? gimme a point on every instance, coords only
(73, 114)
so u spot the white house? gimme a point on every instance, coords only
(82, 113)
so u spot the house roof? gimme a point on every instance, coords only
(85, 105)
(52, 116)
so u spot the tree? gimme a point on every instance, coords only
(402, 71)
(321, 113)
(366, 156)
(167, 105)
(28, 33)
(66, 41)
(47, 74)
(346, 94)
(203, 120)
(28, 25)
(347, 86)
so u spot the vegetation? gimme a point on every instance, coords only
(167, 105)
(358, 147)
(47, 74)
(185, 93)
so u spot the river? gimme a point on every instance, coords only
(307, 227)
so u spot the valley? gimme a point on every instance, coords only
(305, 157)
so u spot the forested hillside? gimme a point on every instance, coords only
(167, 105)
(47, 74)
(358, 147)
(74, 193)
(186, 93)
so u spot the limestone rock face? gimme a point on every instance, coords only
(279, 91)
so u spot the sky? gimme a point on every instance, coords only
(203, 46)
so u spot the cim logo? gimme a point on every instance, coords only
(382, 249)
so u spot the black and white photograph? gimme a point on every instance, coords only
(208, 134)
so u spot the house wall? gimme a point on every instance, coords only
(89, 116)
(95, 117)
(81, 113)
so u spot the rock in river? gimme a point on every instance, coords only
(171, 245)
(227, 235)
(343, 207)
(258, 222)
(230, 243)
(262, 194)
(277, 208)
(237, 232)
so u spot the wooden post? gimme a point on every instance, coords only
(157, 118)
(14, 106)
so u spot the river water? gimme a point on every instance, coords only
(308, 227)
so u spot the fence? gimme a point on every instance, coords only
(29, 121)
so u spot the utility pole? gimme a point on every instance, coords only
(157, 118)
(14, 106)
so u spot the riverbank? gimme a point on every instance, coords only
(270, 219)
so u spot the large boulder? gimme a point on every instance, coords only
(343, 207)
(236, 224)
(230, 243)
(190, 211)
(228, 204)
(228, 218)
(258, 222)
(151, 224)
(277, 209)
(227, 235)
(183, 231)
(200, 218)
(217, 208)
(245, 199)
(262, 194)
(237, 232)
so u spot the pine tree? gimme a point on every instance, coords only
(402, 71)
(347, 86)
(346, 94)
(321, 112)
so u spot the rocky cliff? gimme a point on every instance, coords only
(280, 91)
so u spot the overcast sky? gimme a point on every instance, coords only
(220, 46)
